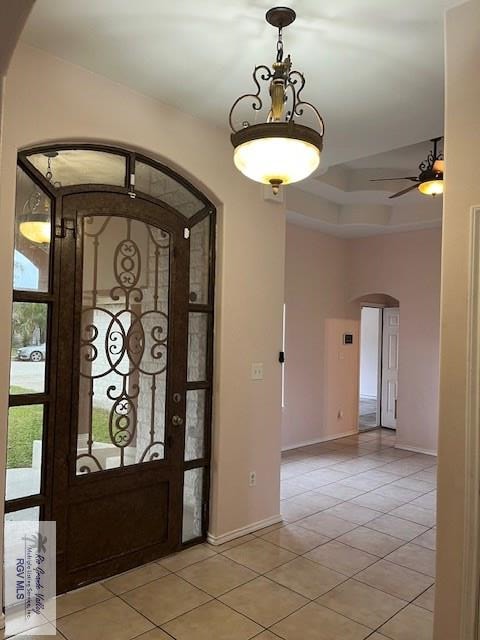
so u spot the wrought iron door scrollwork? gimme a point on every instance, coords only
(124, 341)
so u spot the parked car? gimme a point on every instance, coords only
(32, 352)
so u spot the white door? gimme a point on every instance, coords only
(391, 326)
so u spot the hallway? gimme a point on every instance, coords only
(354, 559)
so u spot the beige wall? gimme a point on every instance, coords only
(323, 276)
(462, 136)
(48, 99)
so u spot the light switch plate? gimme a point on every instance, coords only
(257, 371)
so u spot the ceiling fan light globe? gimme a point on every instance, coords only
(276, 160)
(431, 187)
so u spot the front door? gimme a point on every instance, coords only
(121, 385)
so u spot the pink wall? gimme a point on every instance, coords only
(407, 267)
(324, 275)
(315, 279)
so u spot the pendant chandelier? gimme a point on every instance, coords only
(34, 222)
(279, 150)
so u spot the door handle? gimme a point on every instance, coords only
(177, 421)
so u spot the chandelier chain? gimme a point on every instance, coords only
(280, 45)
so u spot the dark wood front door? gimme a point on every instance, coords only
(121, 385)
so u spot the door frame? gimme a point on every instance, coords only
(43, 500)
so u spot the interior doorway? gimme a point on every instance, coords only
(378, 376)
(109, 427)
(370, 368)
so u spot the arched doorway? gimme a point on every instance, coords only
(379, 349)
(109, 429)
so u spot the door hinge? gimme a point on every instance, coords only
(66, 224)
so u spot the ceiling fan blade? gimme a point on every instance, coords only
(403, 192)
(439, 165)
(414, 178)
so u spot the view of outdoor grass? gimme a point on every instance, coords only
(25, 426)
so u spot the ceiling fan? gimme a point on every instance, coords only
(430, 179)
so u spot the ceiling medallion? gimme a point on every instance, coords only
(430, 178)
(279, 150)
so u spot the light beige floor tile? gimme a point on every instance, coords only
(365, 483)
(290, 488)
(154, 634)
(305, 505)
(109, 620)
(211, 621)
(185, 558)
(78, 599)
(341, 558)
(362, 603)
(340, 491)
(428, 500)
(220, 548)
(380, 544)
(394, 579)
(217, 575)
(306, 577)
(353, 513)
(296, 539)
(412, 623)
(315, 622)
(420, 515)
(399, 493)
(427, 599)
(377, 502)
(135, 578)
(327, 524)
(414, 557)
(165, 598)
(264, 601)
(259, 555)
(267, 635)
(415, 484)
(397, 527)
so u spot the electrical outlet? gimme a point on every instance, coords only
(257, 371)
(252, 479)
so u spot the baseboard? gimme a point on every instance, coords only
(427, 452)
(243, 531)
(307, 443)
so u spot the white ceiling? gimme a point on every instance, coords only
(373, 67)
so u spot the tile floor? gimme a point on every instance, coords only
(367, 418)
(353, 559)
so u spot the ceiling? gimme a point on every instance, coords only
(373, 67)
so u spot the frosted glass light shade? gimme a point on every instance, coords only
(36, 228)
(276, 160)
(431, 187)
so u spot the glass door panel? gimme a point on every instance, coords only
(124, 343)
